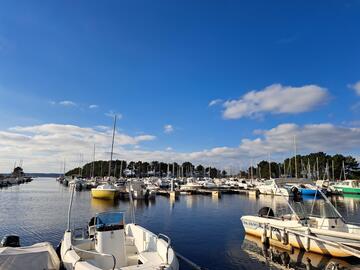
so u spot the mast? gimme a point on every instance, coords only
(269, 167)
(317, 168)
(112, 146)
(296, 174)
(121, 166)
(333, 173)
(93, 164)
(251, 171)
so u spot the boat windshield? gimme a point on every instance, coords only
(109, 221)
(317, 207)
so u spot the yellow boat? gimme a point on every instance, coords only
(104, 192)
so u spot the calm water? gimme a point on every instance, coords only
(204, 229)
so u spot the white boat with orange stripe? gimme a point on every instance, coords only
(314, 225)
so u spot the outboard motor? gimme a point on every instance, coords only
(10, 241)
(266, 212)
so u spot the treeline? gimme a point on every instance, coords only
(122, 168)
(315, 165)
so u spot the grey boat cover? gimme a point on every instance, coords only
(41, 256)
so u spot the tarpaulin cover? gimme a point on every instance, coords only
(41, 256)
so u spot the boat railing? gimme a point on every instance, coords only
(308, 236)
(168, 241)
(96, 254)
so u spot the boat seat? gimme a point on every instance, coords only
(150, 260)
(150, 257)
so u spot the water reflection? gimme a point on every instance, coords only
(103, 205)
(280, 256)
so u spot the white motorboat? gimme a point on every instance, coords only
(109, 243)
(138, 189)
(37, 256)
(277, 187)
(314, 225)
(190, 186)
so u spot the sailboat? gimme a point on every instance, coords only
(106, 191)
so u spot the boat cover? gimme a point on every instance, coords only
(40, 256)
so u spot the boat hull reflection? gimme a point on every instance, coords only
(284, 256)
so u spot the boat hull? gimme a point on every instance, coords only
(308, 192)
(256, 226)
(348, 190)
(103, 194)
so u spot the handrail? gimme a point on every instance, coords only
(69, 210)
(354, 252)
(96, 253)
(167, 238)
(168, 241)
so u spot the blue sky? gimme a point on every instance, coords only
(161, 63)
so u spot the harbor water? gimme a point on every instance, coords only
(205, 229)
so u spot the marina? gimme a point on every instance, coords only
(37, 222)
(179, 135)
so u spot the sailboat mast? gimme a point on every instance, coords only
(112, 146)
(296, 174)
(93, 165)
(317, 168)
(269, 167)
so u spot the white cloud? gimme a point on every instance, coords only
(276, 99)
(93, 106)
(43, 147)
(169, 148)
(67, 103)
(215, 102)
(355, 87)
(168, 129)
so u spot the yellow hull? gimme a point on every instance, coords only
(104, 194)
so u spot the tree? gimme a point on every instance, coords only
(200, 170)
